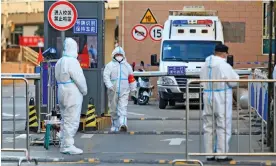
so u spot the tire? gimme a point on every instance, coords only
(162, 103)
(171, 103)
(143, 102)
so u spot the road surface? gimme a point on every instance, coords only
(117, 149)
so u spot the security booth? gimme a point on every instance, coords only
(84, 22)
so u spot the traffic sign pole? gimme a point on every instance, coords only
(62, 35)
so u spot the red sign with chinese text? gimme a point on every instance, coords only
(30, 41)
(84, 60)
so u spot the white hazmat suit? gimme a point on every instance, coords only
(217, 68)
(71, 89)
(274, 73)
(119, 80)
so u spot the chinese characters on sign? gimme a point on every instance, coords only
(148, 18)
(62, 15)
(176, 70)
(86, 26)
(30, 41)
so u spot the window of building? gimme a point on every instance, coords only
(18, 31)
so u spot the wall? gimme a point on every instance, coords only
(10, 67)
(232, 11)
(110, 26)
(249, 12)
(29, 30)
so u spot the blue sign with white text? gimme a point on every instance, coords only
(86, 26)
(176, 70)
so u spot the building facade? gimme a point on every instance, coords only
(244, 25)
(28, 17)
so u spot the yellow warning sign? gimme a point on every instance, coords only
(148, 18)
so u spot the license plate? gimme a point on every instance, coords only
(192, 96)
(176, 70)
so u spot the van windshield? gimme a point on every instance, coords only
(188, 51)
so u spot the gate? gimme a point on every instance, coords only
(254, 134)
(26, 150)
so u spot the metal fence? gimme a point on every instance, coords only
(259, 94)
(250, 137)
(14, 149)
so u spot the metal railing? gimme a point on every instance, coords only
(14, 149)
(212, 104)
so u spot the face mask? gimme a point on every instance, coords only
(119, 58)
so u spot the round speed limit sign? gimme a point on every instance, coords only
(155, 32)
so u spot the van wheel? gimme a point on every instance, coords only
(162, 103)
(171, 103)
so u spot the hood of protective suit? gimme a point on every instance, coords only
(118, 50)
(214, 61)
(70, 48)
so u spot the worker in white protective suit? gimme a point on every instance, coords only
(216, 67)
(119, 80)
(71, 89)
(274, 72)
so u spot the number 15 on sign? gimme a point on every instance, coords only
(156, 32)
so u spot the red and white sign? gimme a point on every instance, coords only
(62, 15)
(139, 32)
(155, 32)
(30, 41)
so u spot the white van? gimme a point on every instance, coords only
(189, 36)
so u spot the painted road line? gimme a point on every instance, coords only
(164, 132)
(16, 119)
(9, 115)
(133, 113)
(146, 132)
(87, 135)
(172, 118)
(175, 141)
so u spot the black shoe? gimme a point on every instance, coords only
(211, 159)
(224, 160)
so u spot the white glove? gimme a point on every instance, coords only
(112, 88)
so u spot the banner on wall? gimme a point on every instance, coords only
(30, 41)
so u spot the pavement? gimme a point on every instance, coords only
(129, 149)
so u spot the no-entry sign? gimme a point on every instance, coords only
(62, 15)
(139, 32)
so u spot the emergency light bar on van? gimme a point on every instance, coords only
(192, 13)
(180, 23)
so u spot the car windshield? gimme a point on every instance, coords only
(188, 51)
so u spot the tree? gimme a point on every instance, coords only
(40, 30)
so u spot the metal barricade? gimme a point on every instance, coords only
(259, 94)
(213, 116)
(14, 149)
